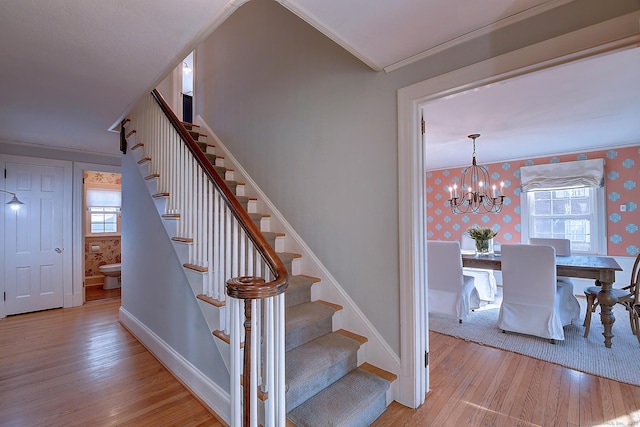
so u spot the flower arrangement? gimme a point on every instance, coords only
(482, 236)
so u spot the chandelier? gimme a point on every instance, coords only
(476, 194)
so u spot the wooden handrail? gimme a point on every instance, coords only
(245, 288)
(241, 288)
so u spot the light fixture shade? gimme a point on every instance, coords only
(15, 203)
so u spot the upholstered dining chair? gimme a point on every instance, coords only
(485, 280)
(567, 296)
(450, 292)
(628, 297)
(530, 300)
(562, 247)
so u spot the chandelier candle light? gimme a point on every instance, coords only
(476, 192)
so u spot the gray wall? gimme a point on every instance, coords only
(155, 289)
(317, 130)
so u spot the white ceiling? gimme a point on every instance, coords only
(581, 106)
(72, 68)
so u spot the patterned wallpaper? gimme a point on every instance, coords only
(102, 178)
(622, 176)
(109, 252)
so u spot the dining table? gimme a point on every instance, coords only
(600, 268)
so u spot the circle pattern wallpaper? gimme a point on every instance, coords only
(622, 177)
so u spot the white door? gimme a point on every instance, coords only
(33, 273)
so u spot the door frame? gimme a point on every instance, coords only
(79, 168)
(67, 236)
(618, 33)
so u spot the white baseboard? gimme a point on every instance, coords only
(199, 384)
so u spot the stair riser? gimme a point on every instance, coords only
(171, 225)
(296, 297)
(316, 383)
(213, 315)
(152, 185)
(182, 250)
(307, 333)
(161, 205)
(196, 280)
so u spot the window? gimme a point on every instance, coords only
(567, 214)
(103, 212)
(565, 200)
(103, 220)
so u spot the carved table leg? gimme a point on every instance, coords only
(607, 300)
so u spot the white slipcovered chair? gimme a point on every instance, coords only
(485, 280)
(567, 295)
(450, 292)
(531, 303)
(562, 247)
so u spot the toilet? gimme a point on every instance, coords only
(112, 275)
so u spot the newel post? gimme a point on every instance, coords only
(247, 288)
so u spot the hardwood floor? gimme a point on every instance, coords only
(474, 385)
(95, 293)
(80, 367)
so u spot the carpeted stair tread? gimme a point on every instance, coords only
(356, 399)
(270, 237)
(306, 322)
(298, 291)
(315, 365)
(287, 259)
(256, 217)
(233, 185)
(201, 144)
(244, 201)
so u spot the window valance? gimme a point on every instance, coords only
(581, 173)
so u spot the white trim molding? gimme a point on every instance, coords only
(77, 297)
(198, 383)
(483, 31)
(619, 33)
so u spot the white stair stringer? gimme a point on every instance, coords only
(214, 315)
(377, 352)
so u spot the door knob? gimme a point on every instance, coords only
(59, 250)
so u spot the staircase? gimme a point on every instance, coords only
(327, 381)
(325, 385)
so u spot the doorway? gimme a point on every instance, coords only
(186, 91)
(102, 234)
(411, 178)
(81, 245)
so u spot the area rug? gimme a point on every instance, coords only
(620, 362)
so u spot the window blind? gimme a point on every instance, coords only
(103, 198)
(581, 173)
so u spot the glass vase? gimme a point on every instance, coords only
(484, 247)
